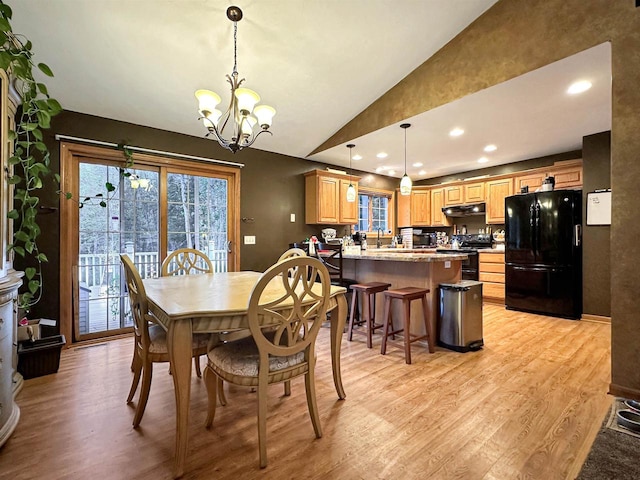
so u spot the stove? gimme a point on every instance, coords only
(469, 244)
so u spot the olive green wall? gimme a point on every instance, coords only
(596, 240)
(272, 187)
(515, 37)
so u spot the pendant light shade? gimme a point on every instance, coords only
(405, 183)
(351, 190)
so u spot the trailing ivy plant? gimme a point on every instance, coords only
(30, 159)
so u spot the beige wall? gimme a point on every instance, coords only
(515, 37)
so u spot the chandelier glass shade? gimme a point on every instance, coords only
(243, 121)
(351, 190)
(405, 183)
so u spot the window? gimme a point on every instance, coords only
(375, 210)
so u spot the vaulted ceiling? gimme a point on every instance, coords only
(319, 64)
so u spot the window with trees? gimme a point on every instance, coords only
(375, 210)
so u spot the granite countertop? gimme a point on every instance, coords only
(403, 255)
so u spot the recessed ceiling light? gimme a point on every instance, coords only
(456, 132)
(379, 169)
(422, 172)
(488, 148)
(483, 160)
(382, 155)
(579, 87)
(357, 157)
(392, 172)
(417, 164)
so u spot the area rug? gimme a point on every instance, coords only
(615, 453)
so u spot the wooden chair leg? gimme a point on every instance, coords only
(310, 387)
(221, 396)
(406, 306)
(136, 367)
(428, 325)
(211, 381)
(387, 321)
(366, 310)
(353, 314)
(196, 363)
(287, 388)
(147, 373)
(262, 422)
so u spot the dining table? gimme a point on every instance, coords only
(215, 303)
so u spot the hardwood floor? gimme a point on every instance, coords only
(527, 406)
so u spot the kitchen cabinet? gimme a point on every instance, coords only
(453, 195)
(496, 192)
(403, 213)
(567, 177)
(491, 273)
(420, 208)
(531, 180)
(326, 199)
(438, 219)
(474, 192)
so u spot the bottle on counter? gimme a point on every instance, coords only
(363, 242)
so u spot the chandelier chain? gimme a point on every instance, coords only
(235, 48)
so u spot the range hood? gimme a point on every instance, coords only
(464, 210)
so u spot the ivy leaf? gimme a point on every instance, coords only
(19, 250)
(5, 10)
(54, 106)
(4, 25)
(45, 69)
(41, 257)
(38, 134)
(103, 203)
(22, 236)
(43, 89)
(13, 214)
(15, 179)
(57, 177)
(30, 127)
(68, 195)
(34, 285)
(109, 186)
(30, 272)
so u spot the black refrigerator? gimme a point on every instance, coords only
(543, 253)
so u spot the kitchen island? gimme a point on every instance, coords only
(405, 268)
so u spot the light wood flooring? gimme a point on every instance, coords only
(527, 406)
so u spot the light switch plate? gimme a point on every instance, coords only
(447, 263)
(293, 218)
(249, 240)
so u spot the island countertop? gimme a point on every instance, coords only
(403, 255)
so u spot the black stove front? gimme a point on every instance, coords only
(470, 244)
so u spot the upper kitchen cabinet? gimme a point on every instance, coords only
(473, 192)
(531, 180)
(420, 208)
(567, 176)
(438, 219)
(403, 213)
(453, 195)
(496, 192)
(326, 199)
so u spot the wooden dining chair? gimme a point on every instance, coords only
(186, 261)
(331, 255)
(292, 252)
(150, 339)
(285, 314)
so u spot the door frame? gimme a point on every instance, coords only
(70, 156)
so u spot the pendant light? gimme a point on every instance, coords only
(351, 190)
(405, 183)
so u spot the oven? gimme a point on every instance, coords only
(470, 266)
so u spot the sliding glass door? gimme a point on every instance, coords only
(147, 215)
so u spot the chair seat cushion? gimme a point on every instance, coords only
(158, 338)
(241, 358)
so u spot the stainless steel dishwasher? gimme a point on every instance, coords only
(460, 316)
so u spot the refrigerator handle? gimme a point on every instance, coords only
(577, 232)
(537, 229)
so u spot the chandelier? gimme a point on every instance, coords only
(240, 118)
(405, 183)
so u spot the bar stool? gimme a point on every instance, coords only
(407, 295)
(368, 291)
